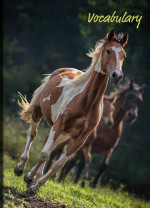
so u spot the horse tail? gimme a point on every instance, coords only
(27, 108)
(26, 113)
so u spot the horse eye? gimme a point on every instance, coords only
(108, 51)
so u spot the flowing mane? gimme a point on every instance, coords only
(94, 54)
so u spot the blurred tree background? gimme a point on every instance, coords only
(41, 36)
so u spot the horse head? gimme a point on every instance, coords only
(133, 99)
(108, 110)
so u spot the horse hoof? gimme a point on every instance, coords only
(27, 180)
(83, 184)
(30, 192)
(17, 171)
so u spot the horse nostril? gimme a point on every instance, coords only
(121, 76)
(109, 123)
(130, 114)
(114, 74)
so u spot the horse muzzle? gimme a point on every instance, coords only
(130, 118)
(115, 78)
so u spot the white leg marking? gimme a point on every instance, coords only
(50, 141)
(39, 173)
(45, 153)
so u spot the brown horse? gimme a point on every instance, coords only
(103, 140)
(68, 100)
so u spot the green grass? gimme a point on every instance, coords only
(72, 195)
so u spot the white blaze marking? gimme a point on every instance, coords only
(47, 98)
(98, 66)
(106, 119)
(68, 93)
(117, 51)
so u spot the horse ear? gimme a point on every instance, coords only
(110, 36)
(131, 83)
(124, 39)
(142, 88)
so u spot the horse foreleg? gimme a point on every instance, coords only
(102, 168)
(88, 157)
(44, 155)
(80, 167)
(73, 147)
(31, 134)
(66, 169)
(57, 151)
(69, 165)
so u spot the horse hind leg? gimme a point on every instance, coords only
(44, 155)
(31, 135)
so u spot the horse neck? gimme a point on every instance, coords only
(96, 88)
(119, 112)
(94, 83)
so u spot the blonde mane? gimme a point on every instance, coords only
(94, 54)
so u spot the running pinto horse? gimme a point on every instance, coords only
(103, 139)
(70, 102)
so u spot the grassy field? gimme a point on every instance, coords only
(51, 194)
(67, 194)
